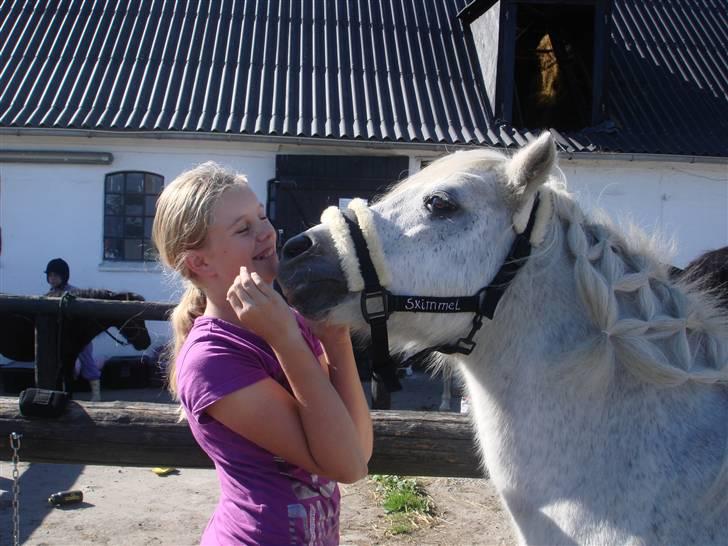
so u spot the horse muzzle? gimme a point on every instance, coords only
(310, 273)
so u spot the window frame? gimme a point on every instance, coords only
(148, 253)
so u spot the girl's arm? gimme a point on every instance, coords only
(313, 428)
(267, 415)
(339, 355)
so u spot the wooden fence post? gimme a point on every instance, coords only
(47, 363)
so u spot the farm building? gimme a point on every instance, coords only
(102, 103)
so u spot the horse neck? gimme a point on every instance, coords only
(538, 316)
(82, 330)
(530, 416)
(90, 326)
(510, 372)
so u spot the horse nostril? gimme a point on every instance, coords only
(296, 246)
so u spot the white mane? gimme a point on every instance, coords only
(664, 331)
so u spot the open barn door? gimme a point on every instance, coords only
(305, 185)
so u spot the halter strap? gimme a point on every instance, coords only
(383, 368)
(520, 250)
(490, 296)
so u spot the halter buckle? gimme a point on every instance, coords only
(374, 305)
(463, 346)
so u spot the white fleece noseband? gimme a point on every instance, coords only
(334, 219)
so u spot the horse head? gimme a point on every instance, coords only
(443, 232)
(133, 329)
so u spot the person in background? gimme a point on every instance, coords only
(283, 418)
(57, 274)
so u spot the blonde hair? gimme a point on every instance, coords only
(181, 222)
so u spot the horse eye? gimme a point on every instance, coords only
(440, 204)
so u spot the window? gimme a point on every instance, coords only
(543, 62)
(130, 199)
(553, 66)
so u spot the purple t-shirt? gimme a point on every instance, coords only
(263, 498)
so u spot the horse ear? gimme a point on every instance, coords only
(530, 166)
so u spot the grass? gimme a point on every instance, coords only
(406, 503)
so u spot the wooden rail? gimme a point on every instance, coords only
(84, 307)
(409, 443)
(46, 309)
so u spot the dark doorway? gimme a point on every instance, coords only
(305, 185)
(553, 73)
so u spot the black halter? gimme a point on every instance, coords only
(377, 303)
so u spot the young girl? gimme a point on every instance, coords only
(282, 419)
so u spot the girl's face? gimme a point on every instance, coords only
(241, 235)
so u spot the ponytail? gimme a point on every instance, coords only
(191, 305)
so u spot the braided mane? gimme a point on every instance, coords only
(664, 331)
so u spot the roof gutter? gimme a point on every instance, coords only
(225, 137)
(343, 143)
(55, 157)
(642, 157)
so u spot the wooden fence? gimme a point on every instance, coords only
(410, 443)
(146, 434)
(46, 312)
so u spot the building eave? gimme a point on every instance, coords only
(400, 147)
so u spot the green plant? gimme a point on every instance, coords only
(405, 501)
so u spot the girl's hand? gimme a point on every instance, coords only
(260, 308)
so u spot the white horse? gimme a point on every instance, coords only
(599, 388)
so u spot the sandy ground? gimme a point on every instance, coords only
(134, 506)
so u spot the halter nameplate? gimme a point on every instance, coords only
(419, 304)
(380, 303)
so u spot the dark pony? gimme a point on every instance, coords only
(17, 333)
(710, 270)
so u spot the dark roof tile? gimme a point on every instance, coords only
(400, 71)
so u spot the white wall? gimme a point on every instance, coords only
(49, 211)
(684, 203)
